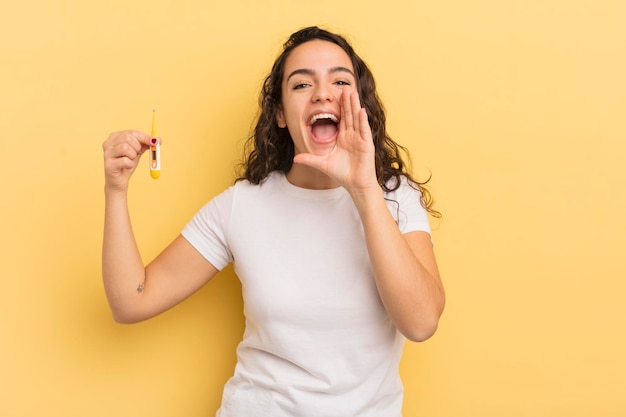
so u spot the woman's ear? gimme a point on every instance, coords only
(280, 118)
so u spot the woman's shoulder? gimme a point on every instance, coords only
(401, 184)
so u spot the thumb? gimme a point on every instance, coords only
(313, 161)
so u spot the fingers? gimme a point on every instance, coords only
(353, 116)
(357, 110)
(364, 124)
(127, 144)
(354, 123)
(127, 140)
(346, 121)
(122, 151)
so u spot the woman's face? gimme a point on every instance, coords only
(314, 76)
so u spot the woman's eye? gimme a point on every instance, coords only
(300, 86)
(342, 83)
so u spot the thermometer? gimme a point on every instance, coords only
(155, 151)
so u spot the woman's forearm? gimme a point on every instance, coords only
(123, 270)
(404, 268)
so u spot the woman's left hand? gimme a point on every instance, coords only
(351, 163)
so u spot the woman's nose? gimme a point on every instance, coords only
(322, 93)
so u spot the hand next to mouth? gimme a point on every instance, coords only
(351, 163)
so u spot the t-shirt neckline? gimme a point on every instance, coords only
(307, 193)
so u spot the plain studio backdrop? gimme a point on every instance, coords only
(517, 109)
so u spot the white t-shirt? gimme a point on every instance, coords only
(318, 341)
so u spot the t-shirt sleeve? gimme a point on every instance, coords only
(406, 208)
(207, 231)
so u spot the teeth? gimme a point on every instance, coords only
(320, 116)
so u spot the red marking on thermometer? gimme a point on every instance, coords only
(155, 151)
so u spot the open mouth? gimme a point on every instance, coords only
(323, 127)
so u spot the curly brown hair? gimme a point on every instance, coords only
(271, 148)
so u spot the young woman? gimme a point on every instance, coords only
(327, 232)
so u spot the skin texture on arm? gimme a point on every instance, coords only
(405, 269)
(135, 292)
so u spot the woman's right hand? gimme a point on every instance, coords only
(122, 152)
(136, 292)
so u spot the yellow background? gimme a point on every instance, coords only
(516, 107)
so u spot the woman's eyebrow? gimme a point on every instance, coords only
(310, 72)
(341, 69)
(305, 71)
